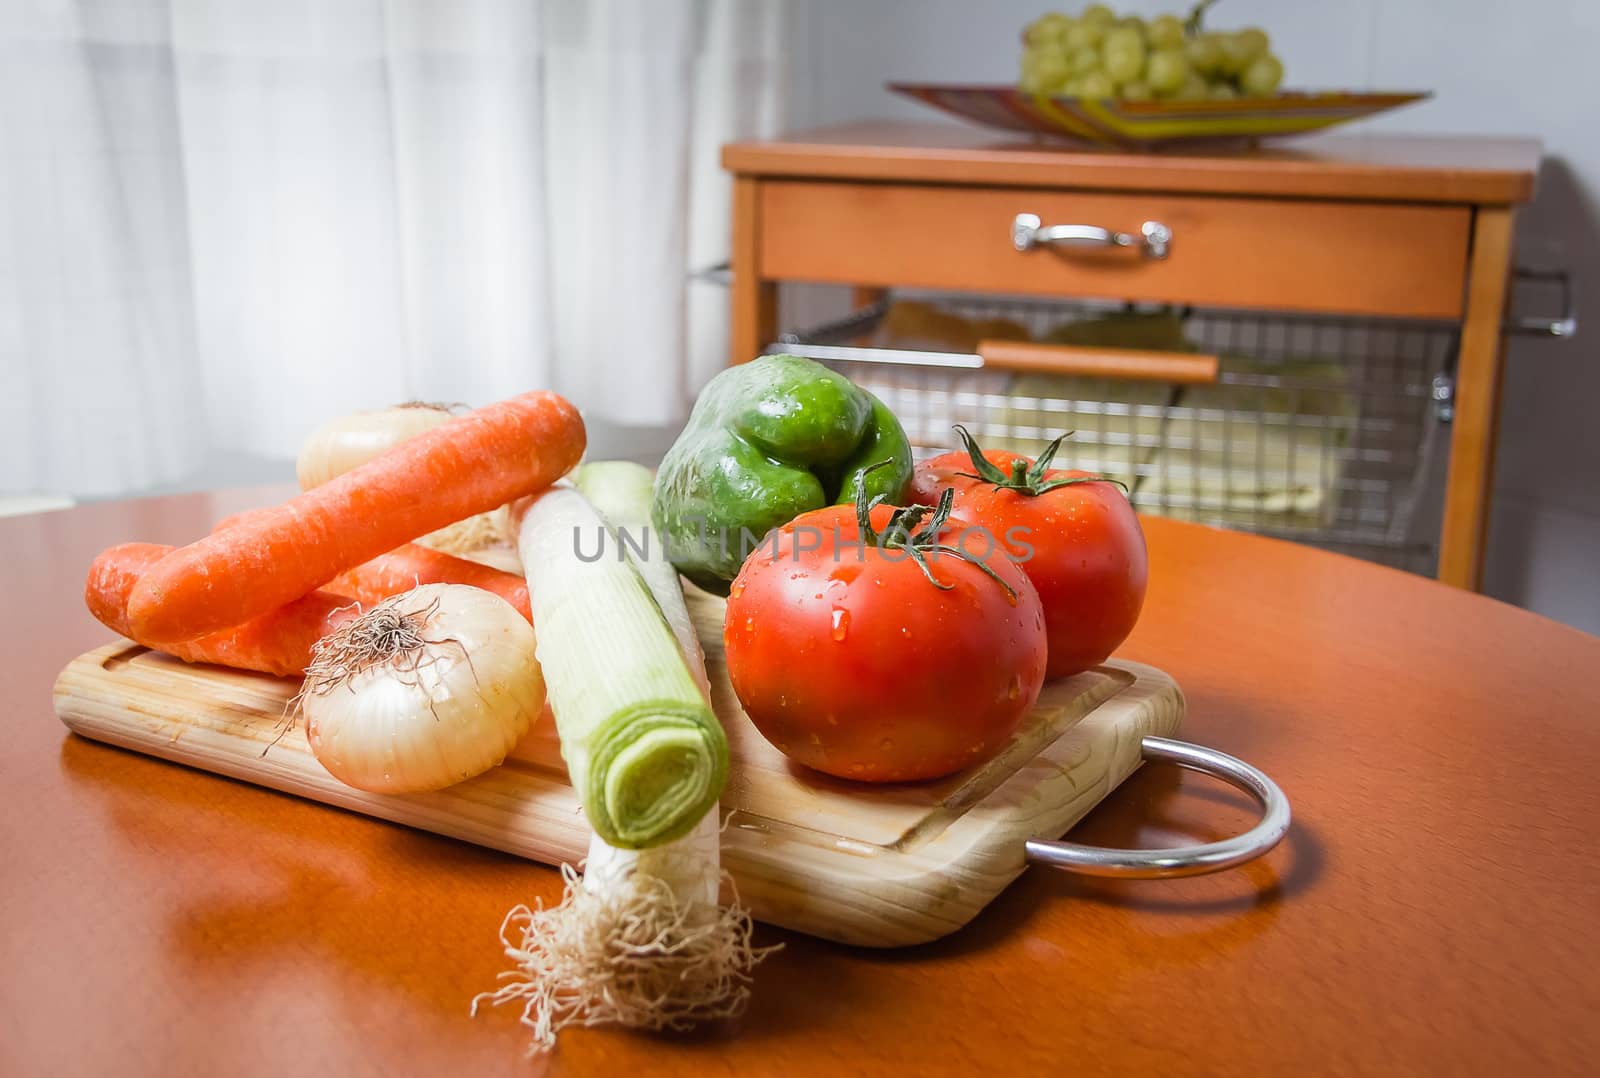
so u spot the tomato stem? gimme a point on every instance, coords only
(1024, 479)
(907, 531)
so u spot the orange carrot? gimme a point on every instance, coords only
(278, 642)
(405, 567)
(240, 517)
(469, 465)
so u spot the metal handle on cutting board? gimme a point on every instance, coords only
(1128, 364)
(1027, 232)
(1181, 860)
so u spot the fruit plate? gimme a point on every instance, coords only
(1147, 125)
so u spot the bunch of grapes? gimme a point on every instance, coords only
(1100, 55)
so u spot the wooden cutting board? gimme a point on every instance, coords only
(878, 866)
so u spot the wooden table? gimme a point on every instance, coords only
(1433, 910)
(1373, 225)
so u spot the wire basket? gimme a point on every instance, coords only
(1312, 428)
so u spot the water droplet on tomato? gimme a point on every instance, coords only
(844, 574)
(1014, 690)
(737, 589)
(886, 744)
(841, 623)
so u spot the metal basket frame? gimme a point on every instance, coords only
(1373, 450)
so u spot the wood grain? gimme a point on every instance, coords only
(1431, 914)
(875, 866)
(1480, 364)
(1396, 260)
(1127, 364)
(866, 296)
(1464, 170)
(753, 302)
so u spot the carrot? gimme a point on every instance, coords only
(238, 518)
(408, 566)
(469, 465)
(278, 642)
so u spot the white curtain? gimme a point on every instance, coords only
(222, 221)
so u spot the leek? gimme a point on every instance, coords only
(641, 940)
(643, 748)
(620, 491)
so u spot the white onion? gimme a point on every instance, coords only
(423, 691)
(351, 440)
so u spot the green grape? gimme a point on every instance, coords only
(1044, 66)
(1165, 32)
(1167, 70)
(1083, 34)
(1263, 76)
(1030, 84)
(1084, 60)
(1072, 87)
(1222, 91)
(1098, 13)
(1136, 91)
(1204, 53)
(1046, 29)
(1096, 84)
(1123, 65)
(1194, 88)
(1136, 25)
(1123, 37)
(1254, 41)
(1123, 54)
(1239, 49)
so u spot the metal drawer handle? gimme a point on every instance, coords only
(1563, 325)
(1154, 238)
(1183, 860)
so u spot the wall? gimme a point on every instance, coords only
(1533, 72)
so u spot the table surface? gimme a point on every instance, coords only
(1388, 167)
(1432, 911)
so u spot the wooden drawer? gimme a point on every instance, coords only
(1348, 257)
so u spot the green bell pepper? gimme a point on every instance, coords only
(767, 441)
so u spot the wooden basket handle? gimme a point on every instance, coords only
(1128, 364)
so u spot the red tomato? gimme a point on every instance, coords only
(1082, 548)
(849, 660)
